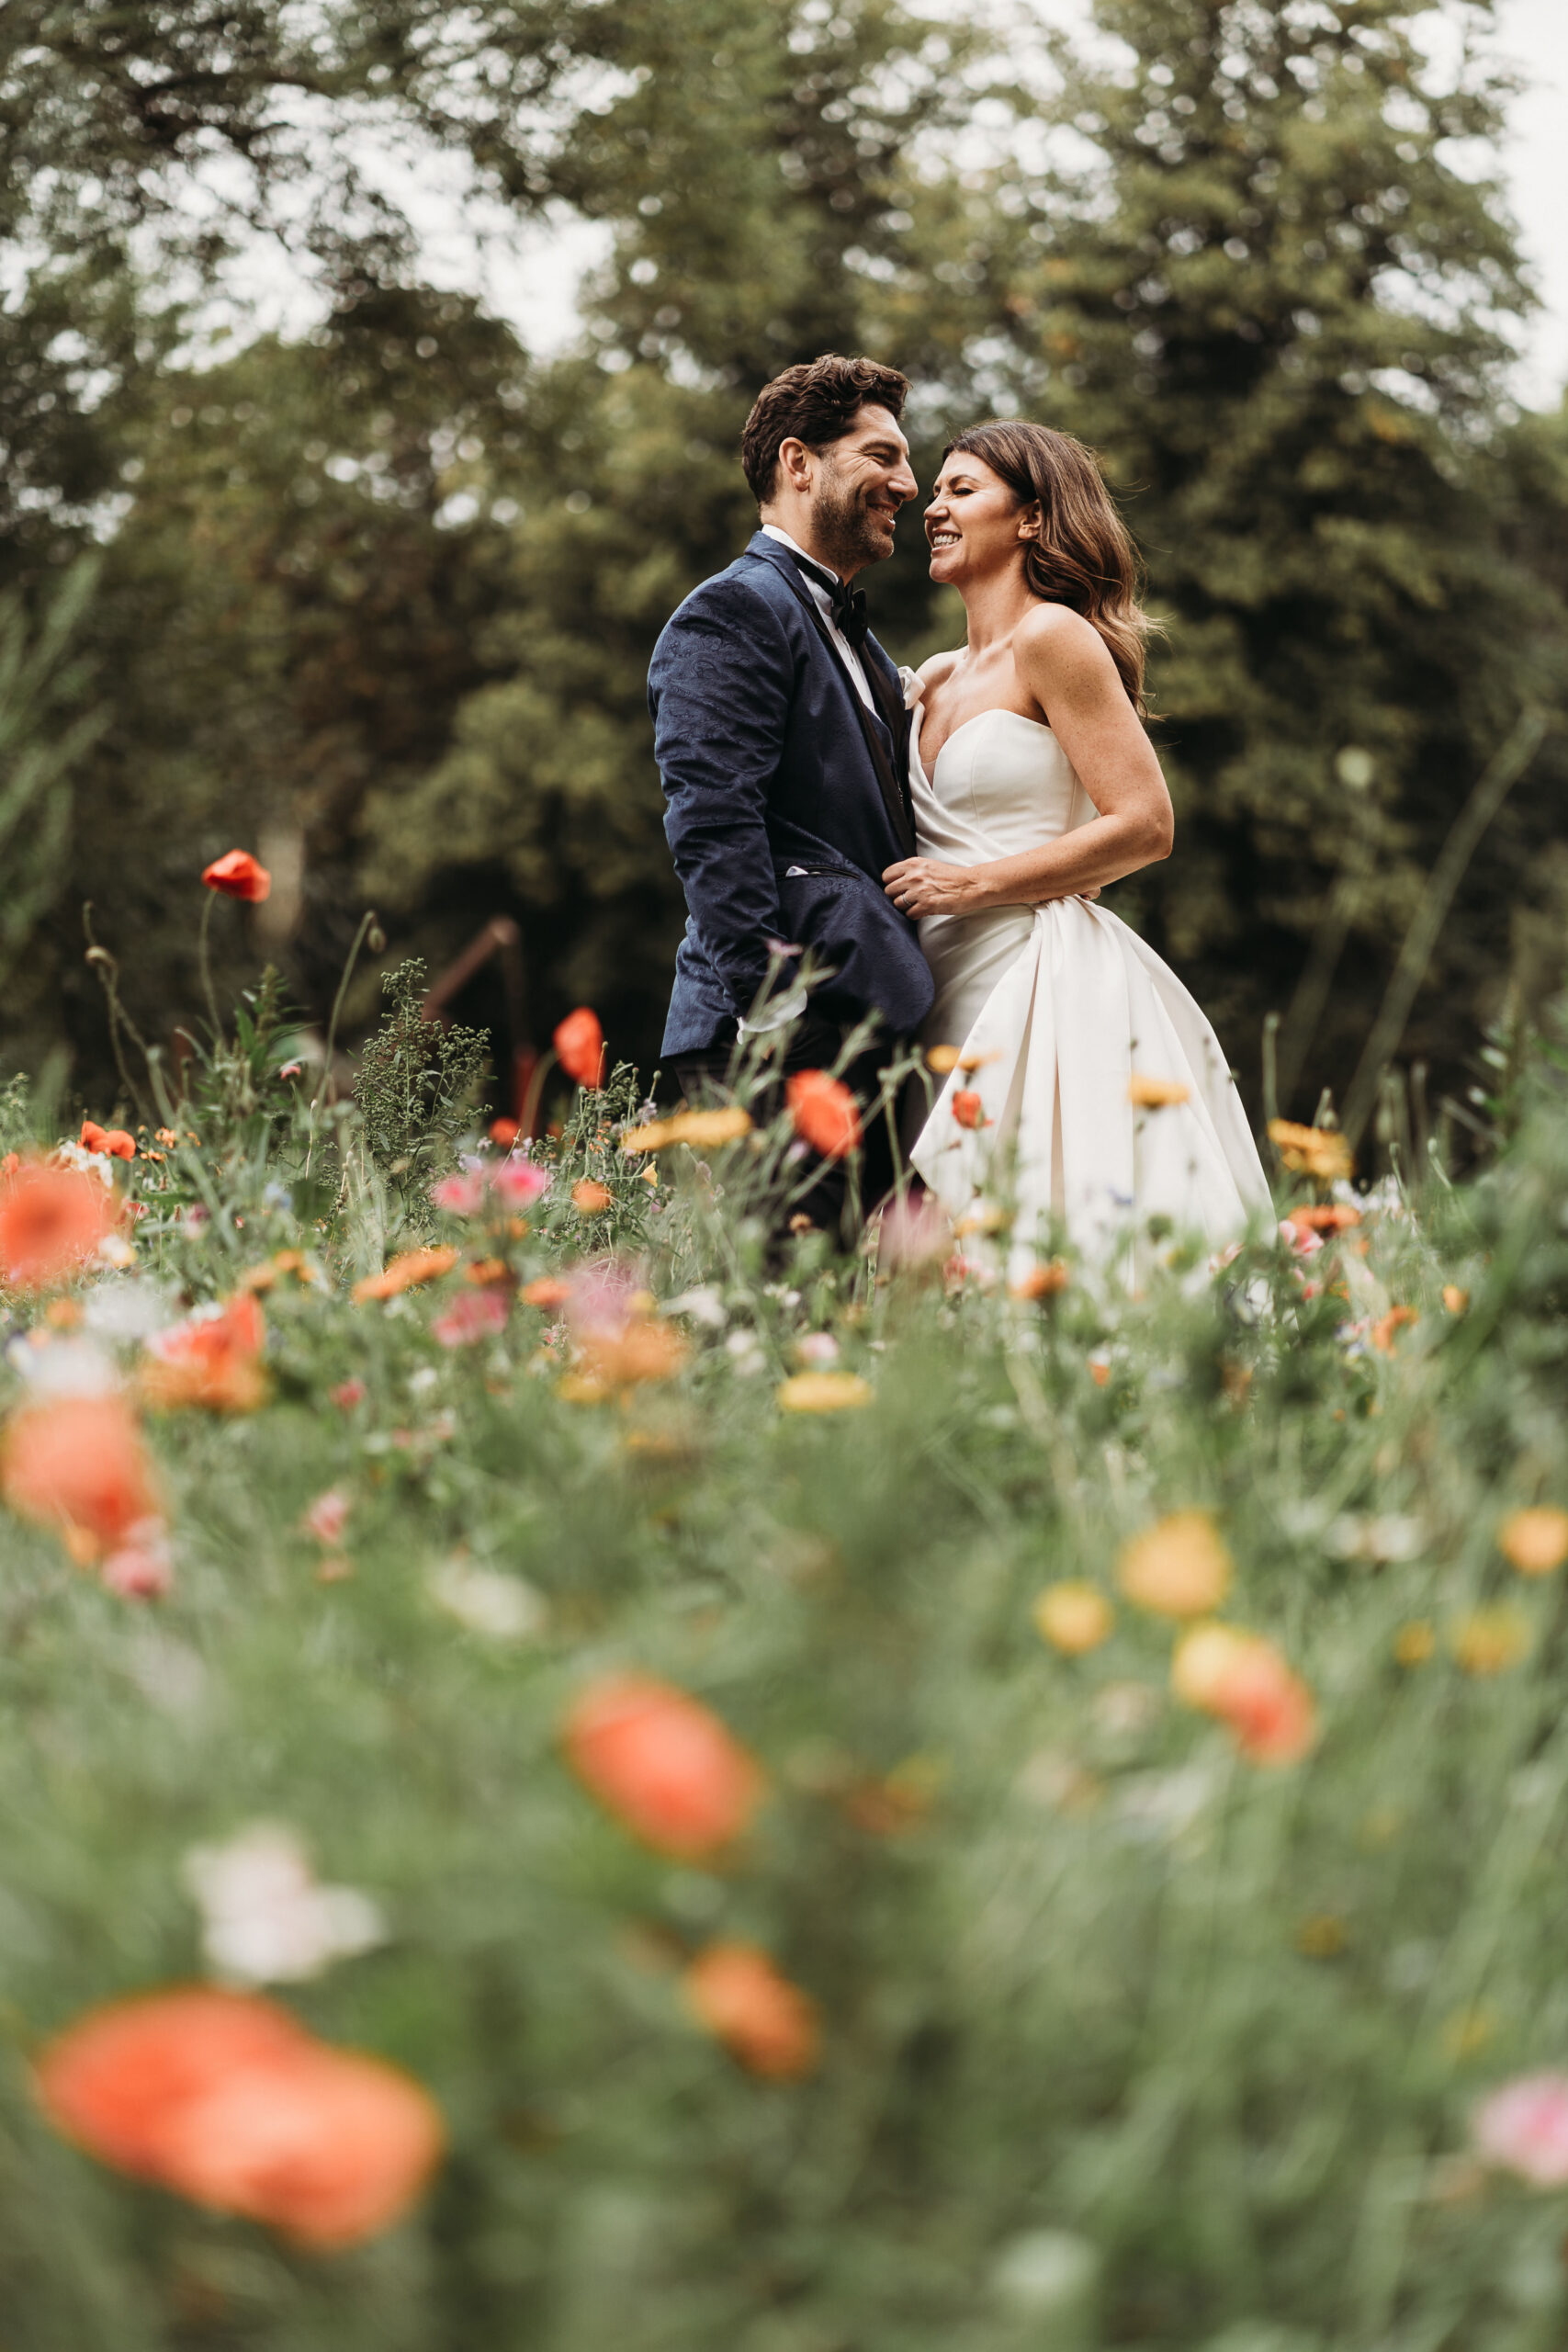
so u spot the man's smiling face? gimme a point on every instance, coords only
(859, 482)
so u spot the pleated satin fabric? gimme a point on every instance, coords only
(1055, 1009)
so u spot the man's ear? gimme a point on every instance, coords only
(795, 463)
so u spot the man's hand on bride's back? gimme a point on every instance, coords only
(924, 886)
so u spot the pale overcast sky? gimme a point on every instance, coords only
(529, 275)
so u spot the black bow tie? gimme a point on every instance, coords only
(848, 604)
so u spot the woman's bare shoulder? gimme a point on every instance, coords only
(1052, 643)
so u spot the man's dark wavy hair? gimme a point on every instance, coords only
(817, 403)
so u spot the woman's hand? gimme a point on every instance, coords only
(924, 885)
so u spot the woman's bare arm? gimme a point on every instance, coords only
(1066, 667)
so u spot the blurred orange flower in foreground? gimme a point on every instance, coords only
(663, 1764)
(825, 1112)
(1074, 1617)
(226, 2098)
(1179, 1567)
(769, 2024)
(1321, 1152)
(78, 1465)
(212, 1360)
(580, 1047)
(113, 1141)
(590, 1199)
(51, 1221)
(1155, 1093)
(1244, 1681)
(1536, 1541)
(238, 875)
(1331, 1217)
(411, 1266)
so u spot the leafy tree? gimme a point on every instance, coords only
(1271, 300)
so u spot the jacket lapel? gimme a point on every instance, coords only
(887, 764)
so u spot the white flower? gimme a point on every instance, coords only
(914, 686)
(704, 1306)
(127, 1310)
(816, 1349)
(63, 1367)
(506, 1608)
(265, 1918)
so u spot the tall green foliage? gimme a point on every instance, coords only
(1271, 300)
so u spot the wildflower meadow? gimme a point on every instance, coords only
(582, 1767)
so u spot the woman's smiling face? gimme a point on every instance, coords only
(974, 525)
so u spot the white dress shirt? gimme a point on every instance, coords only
(824, 603)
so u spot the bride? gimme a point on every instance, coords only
(1087, 1084)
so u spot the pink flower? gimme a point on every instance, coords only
(914, 1232)
(1523, 2127)
(517, 1182)
(1302, 1239)
(348, 1393)
(328, 1516)
(473, 1314)
(291, 1069)
(140, 1569)
(464, 1193)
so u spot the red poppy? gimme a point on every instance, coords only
(226, 2098)
(112, 1140)
(968, 1109)
(53, 1220)
(78, 1463)
(663, 1764)
(504, 1132)
(580, 1047)
(212, 1360)
(769, 2024)
(239, 876)
(825, 1112)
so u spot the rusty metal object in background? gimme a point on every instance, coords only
(502, 942)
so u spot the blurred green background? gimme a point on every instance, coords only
(376, 598)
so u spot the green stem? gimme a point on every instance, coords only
(365, 922)
(206, 968)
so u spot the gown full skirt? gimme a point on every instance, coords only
(1067, 1026)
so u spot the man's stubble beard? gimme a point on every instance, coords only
(841, 527)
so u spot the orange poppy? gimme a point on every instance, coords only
(239, 876)
(78, 1463)
(1243, 1680)
(580, 1047)
(663, 1764)
(1327, 1216)
(53, 1220)
(549, 1291)
(967, 1108)
(226, 2097)
(766, 2022)
(114, 1141)
(212, 1360)
(590, 1199)
(411, 1266)
(504, 1132)
(825, 1112)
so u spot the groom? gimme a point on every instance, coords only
(782, 746)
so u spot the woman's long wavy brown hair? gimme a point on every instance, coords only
(1084, 556)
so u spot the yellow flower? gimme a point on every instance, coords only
(1179, 1567)
(706, 1130)
(1536, 1541)
(942, 1059)
(824, 1391)
(1414, 1643)
(1322, 1936)
(1321, 1152)
(1455, 1299)
(1074, 1617)
(1491, 1640)
(1155, 1093)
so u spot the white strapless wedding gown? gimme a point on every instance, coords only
(1056, 1010)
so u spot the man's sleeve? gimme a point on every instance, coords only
(719, 688)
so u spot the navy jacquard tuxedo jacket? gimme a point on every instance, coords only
(786, 799)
